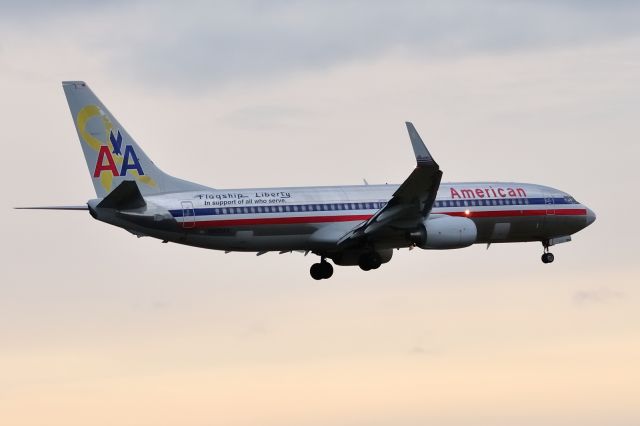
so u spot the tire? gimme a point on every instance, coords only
(327, 270)
(316, 271)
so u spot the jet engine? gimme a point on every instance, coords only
(445, 232)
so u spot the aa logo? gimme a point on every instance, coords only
(115, 158)
(107, 158)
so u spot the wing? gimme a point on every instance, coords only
(410, 204)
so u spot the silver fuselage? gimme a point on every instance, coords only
(310, 218)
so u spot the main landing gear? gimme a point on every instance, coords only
(369, 261)
(547, 257)
(322, 270)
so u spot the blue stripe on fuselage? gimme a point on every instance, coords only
(373, 205)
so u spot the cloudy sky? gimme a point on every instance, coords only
(98, 327)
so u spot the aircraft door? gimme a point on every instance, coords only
(548, 201)
(188, 215)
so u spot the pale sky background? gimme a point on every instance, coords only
(100, 328)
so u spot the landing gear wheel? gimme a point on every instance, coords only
(316, 271)
(321, 271)
(547, 258)
(327, 270)
(369, 261)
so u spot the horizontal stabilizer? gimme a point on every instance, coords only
(126, 196)
(83, 207)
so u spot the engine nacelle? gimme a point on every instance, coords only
(445, 232)
(352, 257)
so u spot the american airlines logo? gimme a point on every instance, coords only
(489, 192)
(107, 158)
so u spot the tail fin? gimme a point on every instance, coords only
(112, 155)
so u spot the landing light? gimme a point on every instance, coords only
(466, 212)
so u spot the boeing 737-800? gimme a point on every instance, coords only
(349, 225)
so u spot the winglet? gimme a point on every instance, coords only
(423, 158)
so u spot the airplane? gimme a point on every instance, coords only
(350, 225)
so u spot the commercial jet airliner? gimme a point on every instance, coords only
(349, 225)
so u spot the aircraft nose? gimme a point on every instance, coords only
(591, 216)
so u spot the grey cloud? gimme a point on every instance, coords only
(255, 330)
(601, 295)
(263, 116)
(420, 350)
(206, 43)
(256, 41)
(45, 9)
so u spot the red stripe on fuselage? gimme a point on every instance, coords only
(363, 217)
(518, 213)
(282, 220)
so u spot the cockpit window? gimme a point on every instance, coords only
(570, 200)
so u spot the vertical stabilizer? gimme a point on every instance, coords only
(111, 153)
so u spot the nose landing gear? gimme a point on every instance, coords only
(322, 270)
